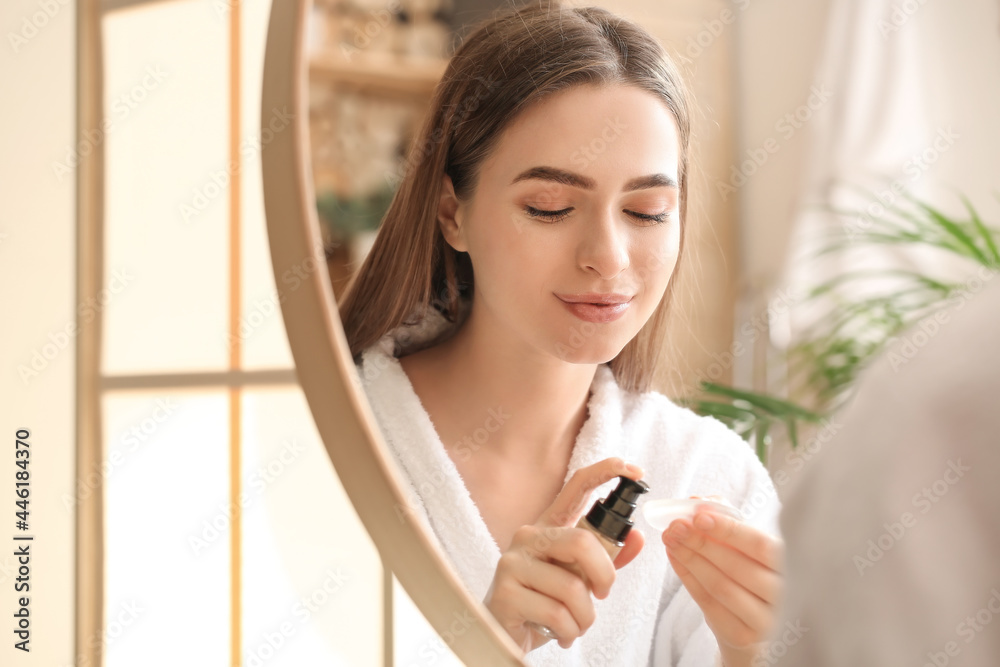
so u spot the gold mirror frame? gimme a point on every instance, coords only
(326, 370)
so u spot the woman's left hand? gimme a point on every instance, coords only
(733, 571)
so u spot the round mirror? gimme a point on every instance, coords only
(325, 368)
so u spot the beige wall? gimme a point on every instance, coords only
(779, 45)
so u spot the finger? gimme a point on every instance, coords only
(561, 585)
(755, 543)
(723, 622)
(574, 497)
(546, 611)
(634, 542)
(577, 549)
(750, 609)
(759, 579)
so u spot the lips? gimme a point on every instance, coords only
(596, 298)
(597, 308)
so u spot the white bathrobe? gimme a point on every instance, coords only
(649, 618)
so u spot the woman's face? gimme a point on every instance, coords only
(605, 160)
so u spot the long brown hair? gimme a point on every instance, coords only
(505, 64)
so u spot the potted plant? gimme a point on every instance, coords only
(354, 220)
(853, 330)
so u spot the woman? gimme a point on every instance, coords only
(507, 324)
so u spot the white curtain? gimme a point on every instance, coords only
(893, 70)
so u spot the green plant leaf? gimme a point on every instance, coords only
(769, 404)
(729, 410)
(986, 234)
(761, 439)
(793, 432)
(951, 227)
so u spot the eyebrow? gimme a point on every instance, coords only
(580, 181)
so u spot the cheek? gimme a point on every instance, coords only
(510, 257)
(654, 260)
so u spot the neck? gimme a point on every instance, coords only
(541, 400)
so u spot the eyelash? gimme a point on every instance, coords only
(555, 216)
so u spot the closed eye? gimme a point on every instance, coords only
(659, 217)
(551, 215)
(559, 215)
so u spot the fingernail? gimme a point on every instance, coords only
(704, 521)
(633, 468)
(678, 531)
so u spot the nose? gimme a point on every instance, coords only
(604, 245)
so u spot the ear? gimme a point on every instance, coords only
(449, 217)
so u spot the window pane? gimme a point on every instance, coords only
(416, 643)
(166, 468)
(262, 331)
(312, 592)
(167, 138)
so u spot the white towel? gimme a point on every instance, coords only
(649, 618)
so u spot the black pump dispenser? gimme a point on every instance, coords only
(610, 516)
(609, 520)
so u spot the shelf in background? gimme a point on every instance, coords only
(380, 73)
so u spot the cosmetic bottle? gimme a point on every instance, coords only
(610, 520)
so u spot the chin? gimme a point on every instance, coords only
(591, 353)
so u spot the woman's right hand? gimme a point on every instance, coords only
(528, 586)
